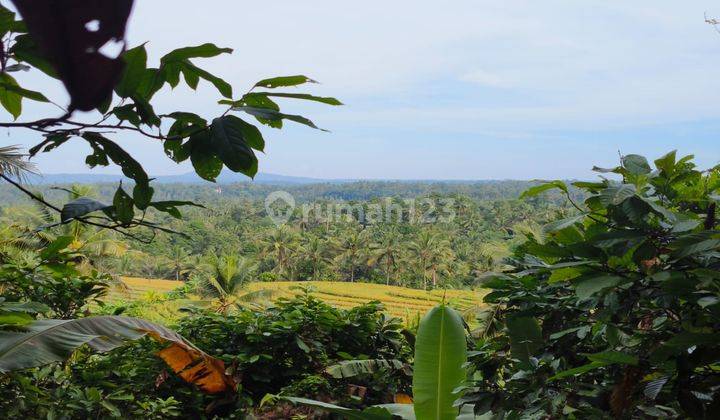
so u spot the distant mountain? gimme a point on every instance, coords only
(226, 177)
(229, 177)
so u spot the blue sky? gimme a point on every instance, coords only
(447, 90)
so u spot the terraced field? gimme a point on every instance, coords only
(399, 301)
(402, 302)
(135, 287)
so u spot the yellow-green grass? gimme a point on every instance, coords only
(402, 302)
(135, 287)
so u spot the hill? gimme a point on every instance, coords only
(226, 177)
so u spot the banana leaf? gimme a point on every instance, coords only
(55, 340)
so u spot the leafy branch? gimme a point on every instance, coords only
(122, 94)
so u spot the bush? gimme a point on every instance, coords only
(296, 338)
(286, 348)
(617, 309)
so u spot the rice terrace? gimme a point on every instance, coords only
(405, 303)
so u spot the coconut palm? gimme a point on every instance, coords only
(352, 248)
(316, 252)
(491, 254)
(386, 253)
(179, 260)
(231, 273)
(432, 253)
(280, 245)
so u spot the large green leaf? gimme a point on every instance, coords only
(563, 223)
(26, 307)
(204, 50)
(104, 148)
(171, 207)
(202, 157)
(81, 207)
(284, 81)
(194, 73)
(617, 194)
(134, 71)
(525, 338)
(9, 98)
(27, 50)
(636, 164)
(614, 357)
(440, 352)
(577, 371)
(537, 189)
(230, 138)
(6, 82)
(305, 96)
(585, 288)
(274, 118)
(123, 206)
(695, 243)
(666, 163)
(54, 340)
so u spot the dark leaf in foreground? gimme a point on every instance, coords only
(76, 37)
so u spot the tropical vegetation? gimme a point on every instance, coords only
(600, 299)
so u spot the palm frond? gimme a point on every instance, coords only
(13, 163)
(256, 295)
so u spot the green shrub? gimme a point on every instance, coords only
(616, 311)
(296, 338)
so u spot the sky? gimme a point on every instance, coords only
(443, 90)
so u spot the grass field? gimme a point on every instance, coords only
(402, 302)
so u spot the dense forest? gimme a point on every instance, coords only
(427, 235)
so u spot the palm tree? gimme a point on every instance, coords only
(316, 251)
(432, 253)
(422, 248)
(178, 260)
(491, 253)
(440, 261)
(230, 274)
(386, 252)
(280, 244)
(353, 250)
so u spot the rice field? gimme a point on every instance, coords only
(133, 288)
(402, 302)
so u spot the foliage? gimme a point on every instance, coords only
(121, 95)
(49, 275)
(617, 310)
(287, 348)
(127, 382)
(298, 337)
(440, 355)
